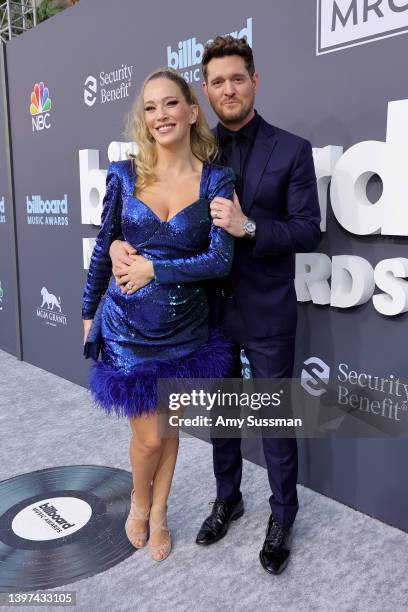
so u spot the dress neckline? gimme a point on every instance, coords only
(201, 188)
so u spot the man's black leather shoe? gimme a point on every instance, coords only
(275, 552)
(216, 525)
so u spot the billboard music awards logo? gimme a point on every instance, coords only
(50, 310)
(47, 212)
(347, 23)
(187, 57)
(345, 175)
(40, 108)
(1, 296)
(50, 519)
(2, 210)
(112, 85)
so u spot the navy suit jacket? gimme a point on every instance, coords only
(280, 194)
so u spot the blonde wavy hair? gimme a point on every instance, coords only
(203, 143)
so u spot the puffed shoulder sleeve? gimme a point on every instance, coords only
(222, 183)
(216, 260)
(100, 265)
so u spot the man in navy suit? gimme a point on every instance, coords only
(275, 215)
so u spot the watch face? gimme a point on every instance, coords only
(250, 227)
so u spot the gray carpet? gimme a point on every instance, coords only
(342, 560)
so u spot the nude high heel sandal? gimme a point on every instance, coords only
(163, 547)
(136, 514)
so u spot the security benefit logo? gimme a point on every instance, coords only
(188, 54)
(47, 212)
(315, 376)
(109, 86)
(347, 23)
(50, 309)
(40, 108)
(357, 402)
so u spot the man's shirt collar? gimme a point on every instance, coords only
(248, 131)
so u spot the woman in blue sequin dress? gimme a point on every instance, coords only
(157, 325)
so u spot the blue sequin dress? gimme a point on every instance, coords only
(161, 330)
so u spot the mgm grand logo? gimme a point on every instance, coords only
(50, 310)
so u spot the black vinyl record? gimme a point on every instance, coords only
(62, 524)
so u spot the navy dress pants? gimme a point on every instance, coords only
(268, 358)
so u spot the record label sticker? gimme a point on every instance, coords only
(51, 518)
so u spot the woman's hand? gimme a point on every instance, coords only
(87, 326)
(139, 274)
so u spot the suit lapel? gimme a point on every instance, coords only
(262, 150)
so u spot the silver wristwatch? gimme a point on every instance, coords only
(249, 228)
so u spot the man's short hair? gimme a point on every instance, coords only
(223, 46)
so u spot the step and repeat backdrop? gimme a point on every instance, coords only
(8, 310)
(331, 71)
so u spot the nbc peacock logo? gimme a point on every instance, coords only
(40, 107)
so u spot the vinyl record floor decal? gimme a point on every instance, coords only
(62, 524)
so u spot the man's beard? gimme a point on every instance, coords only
(237, 117)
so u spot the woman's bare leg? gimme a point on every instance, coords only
(162, 481)
(161, 490)
(164, 474)
(153, 459)
(145, 450)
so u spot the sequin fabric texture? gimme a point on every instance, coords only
(166, 321)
